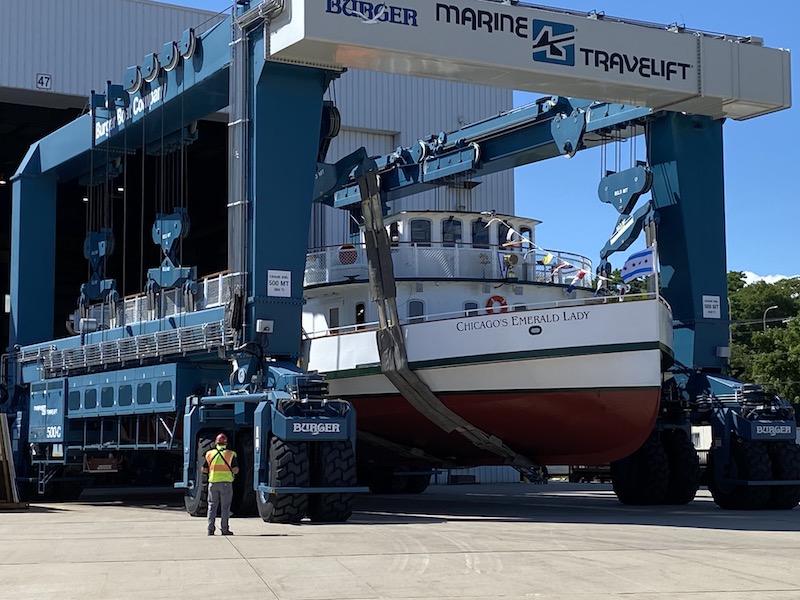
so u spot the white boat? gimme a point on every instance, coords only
(509, 336)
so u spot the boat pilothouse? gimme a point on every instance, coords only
(509, 336)
(446, 264)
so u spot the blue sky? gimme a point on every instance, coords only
(761, 158)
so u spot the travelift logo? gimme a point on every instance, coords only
(553, 43)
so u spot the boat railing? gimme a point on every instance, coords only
(212, 291)
(511, 308)
(436, 260)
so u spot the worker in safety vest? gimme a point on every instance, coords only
(221, 466)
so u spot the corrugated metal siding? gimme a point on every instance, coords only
(481, 474)
(83, 43)
(409, 108)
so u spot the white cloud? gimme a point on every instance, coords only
(750, 277)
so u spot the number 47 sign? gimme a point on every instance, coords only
(44, 81)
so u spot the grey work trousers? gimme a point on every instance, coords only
(220, 495)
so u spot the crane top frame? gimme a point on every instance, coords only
(538, 49)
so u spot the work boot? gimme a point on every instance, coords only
(227, 533)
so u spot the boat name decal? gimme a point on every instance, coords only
(488, 324)
(316, 428)
(533, 322)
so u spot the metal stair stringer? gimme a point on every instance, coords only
(390, 340)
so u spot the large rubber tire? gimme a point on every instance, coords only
(749, 460)
(289, 467)
(244, 496)
(334, 466)
(69, 491)
(384, 481)
(684, 467)
(785, 457)
(643, 477)
(196, 499)
(416, 484)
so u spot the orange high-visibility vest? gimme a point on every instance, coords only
(217, 469)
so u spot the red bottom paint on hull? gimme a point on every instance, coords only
(550, 427)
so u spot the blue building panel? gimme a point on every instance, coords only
(46, 416)
(143, 390)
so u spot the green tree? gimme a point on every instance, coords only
(766, 352)
(776, 360)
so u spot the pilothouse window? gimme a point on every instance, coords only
(527, 233)
(451, 232)
(502, 234)
(421, 232)
(394, 233)
(480, 234)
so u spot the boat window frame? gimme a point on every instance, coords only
(394, 234)
(456, 241)
(420, 318)
(526, 246)
(471, 311)
(420, 243)
(360, 315)
(502, 235)
(479, 225)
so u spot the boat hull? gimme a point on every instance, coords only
(555, 427)
(557, 390)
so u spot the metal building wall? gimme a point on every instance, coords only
(382, 111)
(81, 44)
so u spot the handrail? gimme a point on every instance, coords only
(135, 308)
(440, 260)
(54, 362)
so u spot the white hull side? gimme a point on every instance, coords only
(589, 346)
(639, 369)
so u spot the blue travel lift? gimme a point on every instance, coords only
(154, 387)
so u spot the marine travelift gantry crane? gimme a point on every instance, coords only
(222, 350)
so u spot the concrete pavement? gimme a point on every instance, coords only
(557, 541)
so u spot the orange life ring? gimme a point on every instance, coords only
(493, 301)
